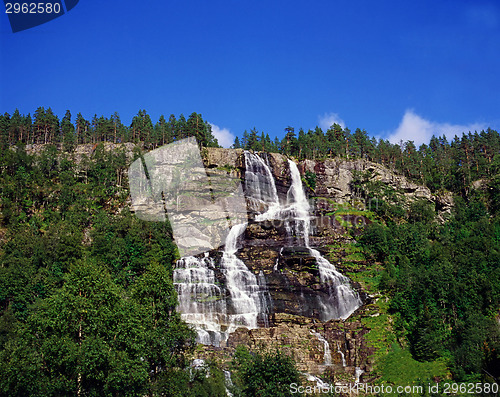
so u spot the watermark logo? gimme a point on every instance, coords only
(28, 14)
(202, 207)
(364, 389)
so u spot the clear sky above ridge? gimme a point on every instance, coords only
(399, 69)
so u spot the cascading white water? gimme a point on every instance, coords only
(341, 355)
(242, 285)
(357, 374)
(320, 384)
(343, 299)
(327, 355)
(202, 302)
(217, 307)
(228, 382)
(260, 189)
(298, 205)
(264, 298)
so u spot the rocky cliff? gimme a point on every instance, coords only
(336, 348)
(282, 264)
(335, 178)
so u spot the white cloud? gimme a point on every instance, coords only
(419, 130)
(223, 135)
(328, 119)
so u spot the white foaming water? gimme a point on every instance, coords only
(357, 374)
(244, 302)
(327, 355)
(260, 189)
(319, 382)
(341, 355)
(343, 299)
(298, 205)
(241, 283)
(201, 300)
(228, 382)
(264, 298)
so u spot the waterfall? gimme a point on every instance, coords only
(202, 302)
(320, 384)
(198, 364)
(343, 299)
(264, 299)
(275, 267)
(228, 382)
(241, 284)
(201, 299)
(218, 305)
(298, 205)
(260, 189)
(327, 356)
(341, 355)
(357, 374)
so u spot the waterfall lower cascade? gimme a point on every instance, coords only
(202, 302)
(228, 382)
(327, 356)
(215, 309)
(341, 355)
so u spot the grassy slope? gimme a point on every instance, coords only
(392, 361)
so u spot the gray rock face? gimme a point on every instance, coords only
(334, 177)
(201, 206)
(219, 157)
(290, 271)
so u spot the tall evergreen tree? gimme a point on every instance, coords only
(68, 132)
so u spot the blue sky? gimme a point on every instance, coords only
(400, 70)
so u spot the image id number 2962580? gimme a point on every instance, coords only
(32, 8)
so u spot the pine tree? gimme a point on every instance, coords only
(162, 134)
(68, 132)
(253, 140)
(172, 128)
(181, 127)
(4, 130)
(244, 141)
(196, 127)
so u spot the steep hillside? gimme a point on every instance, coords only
(341, 207)
(349, 268)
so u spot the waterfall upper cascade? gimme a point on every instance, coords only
(218, 305)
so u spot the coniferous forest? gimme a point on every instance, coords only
(87, 298)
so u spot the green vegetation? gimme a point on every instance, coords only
(88, 303)
(436, 291)
(444, 286)
(46, 128)
(400, 368)
(263, 374)
(310, 179)
(87, 300)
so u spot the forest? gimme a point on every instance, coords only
(86, 293)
